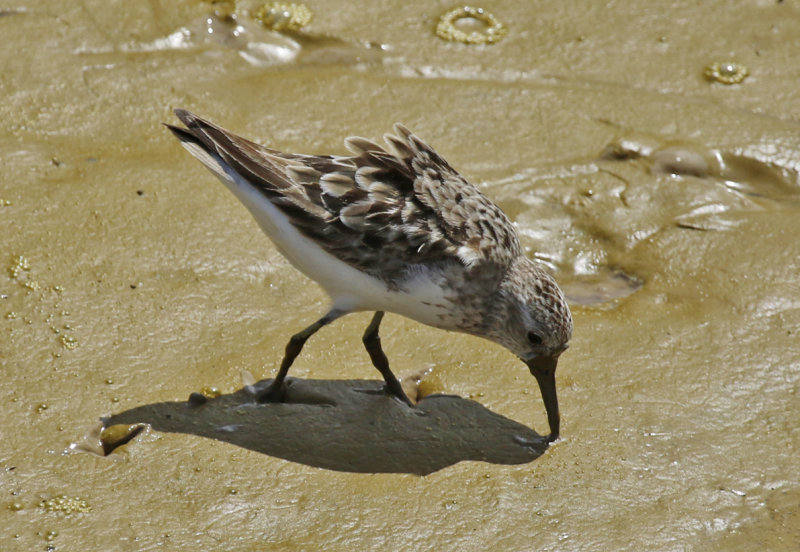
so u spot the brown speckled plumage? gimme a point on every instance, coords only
(377, 211)
(405, 218)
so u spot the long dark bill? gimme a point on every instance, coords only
(544, 370)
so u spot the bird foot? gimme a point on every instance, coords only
(397, 394)
(532, 444)
(271, 394)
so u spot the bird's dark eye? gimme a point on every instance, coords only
(534, 339)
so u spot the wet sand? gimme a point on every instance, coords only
(666, 203)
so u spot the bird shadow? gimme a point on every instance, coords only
(345, 425)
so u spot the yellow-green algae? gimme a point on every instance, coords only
(284, 16)
(19, 264)
(726, 72)
(210, 391)
(65, 504)
(68, 342)
(446, 29)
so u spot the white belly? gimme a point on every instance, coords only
(349, 288)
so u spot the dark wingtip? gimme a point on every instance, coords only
(180, 132)
(184, 115)
(193, 125)
(196, 126)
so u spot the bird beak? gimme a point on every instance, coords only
(544, 370)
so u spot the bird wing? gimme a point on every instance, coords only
(377, 210)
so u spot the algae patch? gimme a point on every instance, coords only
(284, 16)
(65, 504)
(451, 26)
(726, 72)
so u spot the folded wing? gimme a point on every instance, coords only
(378, 210)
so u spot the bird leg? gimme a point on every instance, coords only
(372, 342)
(276, 390)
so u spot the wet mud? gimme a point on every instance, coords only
(135, 290)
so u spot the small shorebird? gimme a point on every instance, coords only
(394, 230)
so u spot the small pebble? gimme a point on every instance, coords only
(197, 399)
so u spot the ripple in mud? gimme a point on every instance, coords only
(751, 171)
(260, 46)
(748, 173)
(600, 289)
(585, 221)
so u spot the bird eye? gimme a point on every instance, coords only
(534, 339)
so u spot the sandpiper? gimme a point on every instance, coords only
(393, 230)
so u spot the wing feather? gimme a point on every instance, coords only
(379, 211)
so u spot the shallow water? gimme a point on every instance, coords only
(666, 204)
